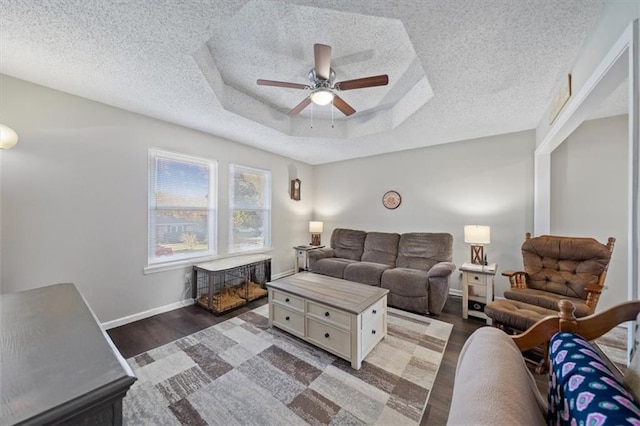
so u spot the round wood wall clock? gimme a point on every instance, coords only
(391, 199)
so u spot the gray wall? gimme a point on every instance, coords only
(486, 181)
(74, 198)
(589, 193)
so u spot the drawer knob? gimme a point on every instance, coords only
(286, 300)
(326, 314)
(286, 318)
(375, 312)
(373, 332)
(326, 335)
(475, 278)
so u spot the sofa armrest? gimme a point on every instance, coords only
(517, 279)
(442, 269)
(493, 385)
(317, 254)
(438, 286)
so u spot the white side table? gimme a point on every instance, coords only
(477, 289)
(302, 253)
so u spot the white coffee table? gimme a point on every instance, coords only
(342, 317)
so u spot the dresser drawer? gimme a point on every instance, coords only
(374, 311)
(330, 338)
(328, 314)
(288, 320)
(475, 278)
(372, 331)
(288, 300)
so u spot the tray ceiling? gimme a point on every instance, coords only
(458, 69)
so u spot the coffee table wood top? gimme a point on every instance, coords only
(342, 294)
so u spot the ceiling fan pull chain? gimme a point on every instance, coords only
(312, 108)
(332, 113)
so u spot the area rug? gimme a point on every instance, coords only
(241, 372)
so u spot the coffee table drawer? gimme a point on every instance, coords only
(372, 332)
(328, 337)
(289, 320)
(288, 300)
(374, 311)
(332, 315)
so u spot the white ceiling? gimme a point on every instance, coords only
(492, 65)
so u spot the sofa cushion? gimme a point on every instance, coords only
(334, 267)
(582, 388)
(419, 250)
(405, 282)
(564, 266)
(381, 247)
(348, 243)
(493, 385)
(365, 272)
(547, 300)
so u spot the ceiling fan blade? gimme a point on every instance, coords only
(361, 83)
(322, 54)
(339, 103)
(302, 105)
(282, 84)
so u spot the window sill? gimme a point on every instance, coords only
(188, 263)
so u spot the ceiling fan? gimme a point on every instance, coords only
(323, 89)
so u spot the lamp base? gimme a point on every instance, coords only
(477, 254)
(315, 239)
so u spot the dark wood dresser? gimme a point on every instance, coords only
(57, 365)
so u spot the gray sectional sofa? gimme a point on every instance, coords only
(414, 267)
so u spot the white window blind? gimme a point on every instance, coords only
(250, 208)
(182, 207)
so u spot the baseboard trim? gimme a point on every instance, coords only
(455, 292)
(186, 302)
(282, 274)
(166, 308)
(146, 314)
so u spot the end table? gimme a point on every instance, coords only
(302, 252)
(477, 289)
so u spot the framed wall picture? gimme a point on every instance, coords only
(295, 189)
(391, 199)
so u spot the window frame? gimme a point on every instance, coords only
(233, 167)
(153, 261)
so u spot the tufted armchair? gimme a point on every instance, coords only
(555, 268)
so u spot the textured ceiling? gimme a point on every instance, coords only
(231, 60)
(492, 65)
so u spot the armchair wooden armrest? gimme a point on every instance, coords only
(517, 279)
(593, 294)
(590, 327)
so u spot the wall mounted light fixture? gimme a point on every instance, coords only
(8, 137)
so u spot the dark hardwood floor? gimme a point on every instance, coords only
(141, 336)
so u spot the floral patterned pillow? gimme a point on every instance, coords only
(582, 389)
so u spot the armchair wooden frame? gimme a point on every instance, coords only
(518, 279)
(590, 327)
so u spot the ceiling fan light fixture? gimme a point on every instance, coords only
(321, 96)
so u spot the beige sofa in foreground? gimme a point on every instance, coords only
(493, 386)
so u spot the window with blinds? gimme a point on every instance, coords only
(250, 208)
(182, 207)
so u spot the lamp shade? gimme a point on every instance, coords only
(8, 137)
(477, 234)
(315, 227)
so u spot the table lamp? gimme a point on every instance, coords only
(316, 229)
(477, 235)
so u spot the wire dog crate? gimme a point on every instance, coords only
(225, 284)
